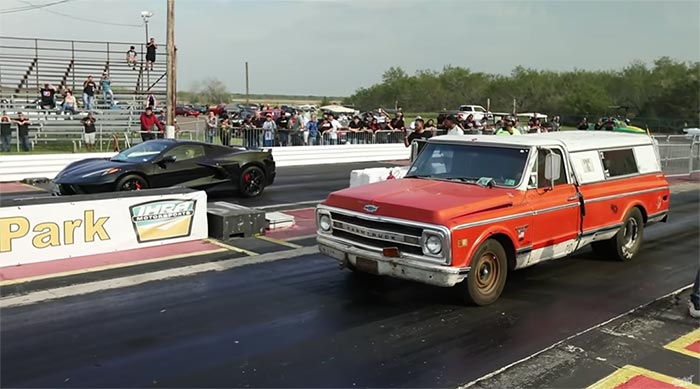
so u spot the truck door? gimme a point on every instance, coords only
(554, 201)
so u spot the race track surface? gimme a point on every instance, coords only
(304, 323)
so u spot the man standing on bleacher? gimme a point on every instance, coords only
(149, 122)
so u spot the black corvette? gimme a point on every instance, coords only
(166, 162)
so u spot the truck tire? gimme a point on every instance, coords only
(487, 277)
(626, 243)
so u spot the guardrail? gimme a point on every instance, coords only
(18, 167)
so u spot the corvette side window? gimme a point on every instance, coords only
(185, 152)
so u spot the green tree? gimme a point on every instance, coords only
(211, 91)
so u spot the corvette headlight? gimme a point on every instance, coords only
(102, 172)
(432, 245)
(324, 222)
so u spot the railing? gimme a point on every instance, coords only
(679, 154)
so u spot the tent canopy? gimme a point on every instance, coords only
(337, 109)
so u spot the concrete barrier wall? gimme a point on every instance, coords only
(18, 167)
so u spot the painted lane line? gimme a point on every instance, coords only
(133, 280)
(527, 358)
(110, 267)
(232, 248)
(279, 242)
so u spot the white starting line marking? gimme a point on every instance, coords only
(504, 368)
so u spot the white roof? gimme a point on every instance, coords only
(571, 140)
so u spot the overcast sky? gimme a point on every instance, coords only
(333, 47)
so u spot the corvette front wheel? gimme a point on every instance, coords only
(131, 182)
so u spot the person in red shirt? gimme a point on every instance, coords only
(148, 122)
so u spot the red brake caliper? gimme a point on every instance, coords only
(246, 177)
(138, 185)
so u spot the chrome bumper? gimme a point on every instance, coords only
(407, 269)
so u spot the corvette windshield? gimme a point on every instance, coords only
(504, 166)
(143, 152)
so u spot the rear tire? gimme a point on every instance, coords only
(251, 182)
(131, 182)
(625, 245)
(487, 277)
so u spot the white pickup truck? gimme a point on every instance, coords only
(476, 110)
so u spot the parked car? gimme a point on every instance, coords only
(199, 108)
(163, 163)
(477, 111)
(497, 204)
(185, 110)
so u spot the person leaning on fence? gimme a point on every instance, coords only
(312, 133)
(269, 131)
(295, 128)
(89, 131)
(5, 132)
(149, 122)
(212, 123)
(23, 131)
(225, 134)
(452, 127)
(356, 134)
(508, 128)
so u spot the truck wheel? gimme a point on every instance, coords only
(487, 276)
(626, 243)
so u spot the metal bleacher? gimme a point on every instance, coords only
(26, 64)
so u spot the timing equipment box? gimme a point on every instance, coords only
(228, 221)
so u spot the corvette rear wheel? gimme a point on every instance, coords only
(252, 181)
(131, 182)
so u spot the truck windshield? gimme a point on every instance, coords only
(504, 166)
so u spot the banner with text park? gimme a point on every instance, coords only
(43, 232)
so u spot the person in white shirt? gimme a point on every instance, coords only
(335, 128)
(269, 128)
(452, 127)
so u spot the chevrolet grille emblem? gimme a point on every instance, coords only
(371, 208)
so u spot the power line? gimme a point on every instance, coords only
(30, 7)
(85, 19)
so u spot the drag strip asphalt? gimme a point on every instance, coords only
(302, 322)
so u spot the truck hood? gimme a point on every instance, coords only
(423, 200)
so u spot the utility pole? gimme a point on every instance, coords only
(247, 88)
(171, 87)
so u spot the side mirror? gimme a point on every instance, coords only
(166, 160)
(552, 167)
(416, 147)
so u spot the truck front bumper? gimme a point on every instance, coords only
(404, 268)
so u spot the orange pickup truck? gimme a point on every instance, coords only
(473, 208)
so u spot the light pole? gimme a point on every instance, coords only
(145, 15)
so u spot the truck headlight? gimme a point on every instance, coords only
(324, 223)
(432, 245)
